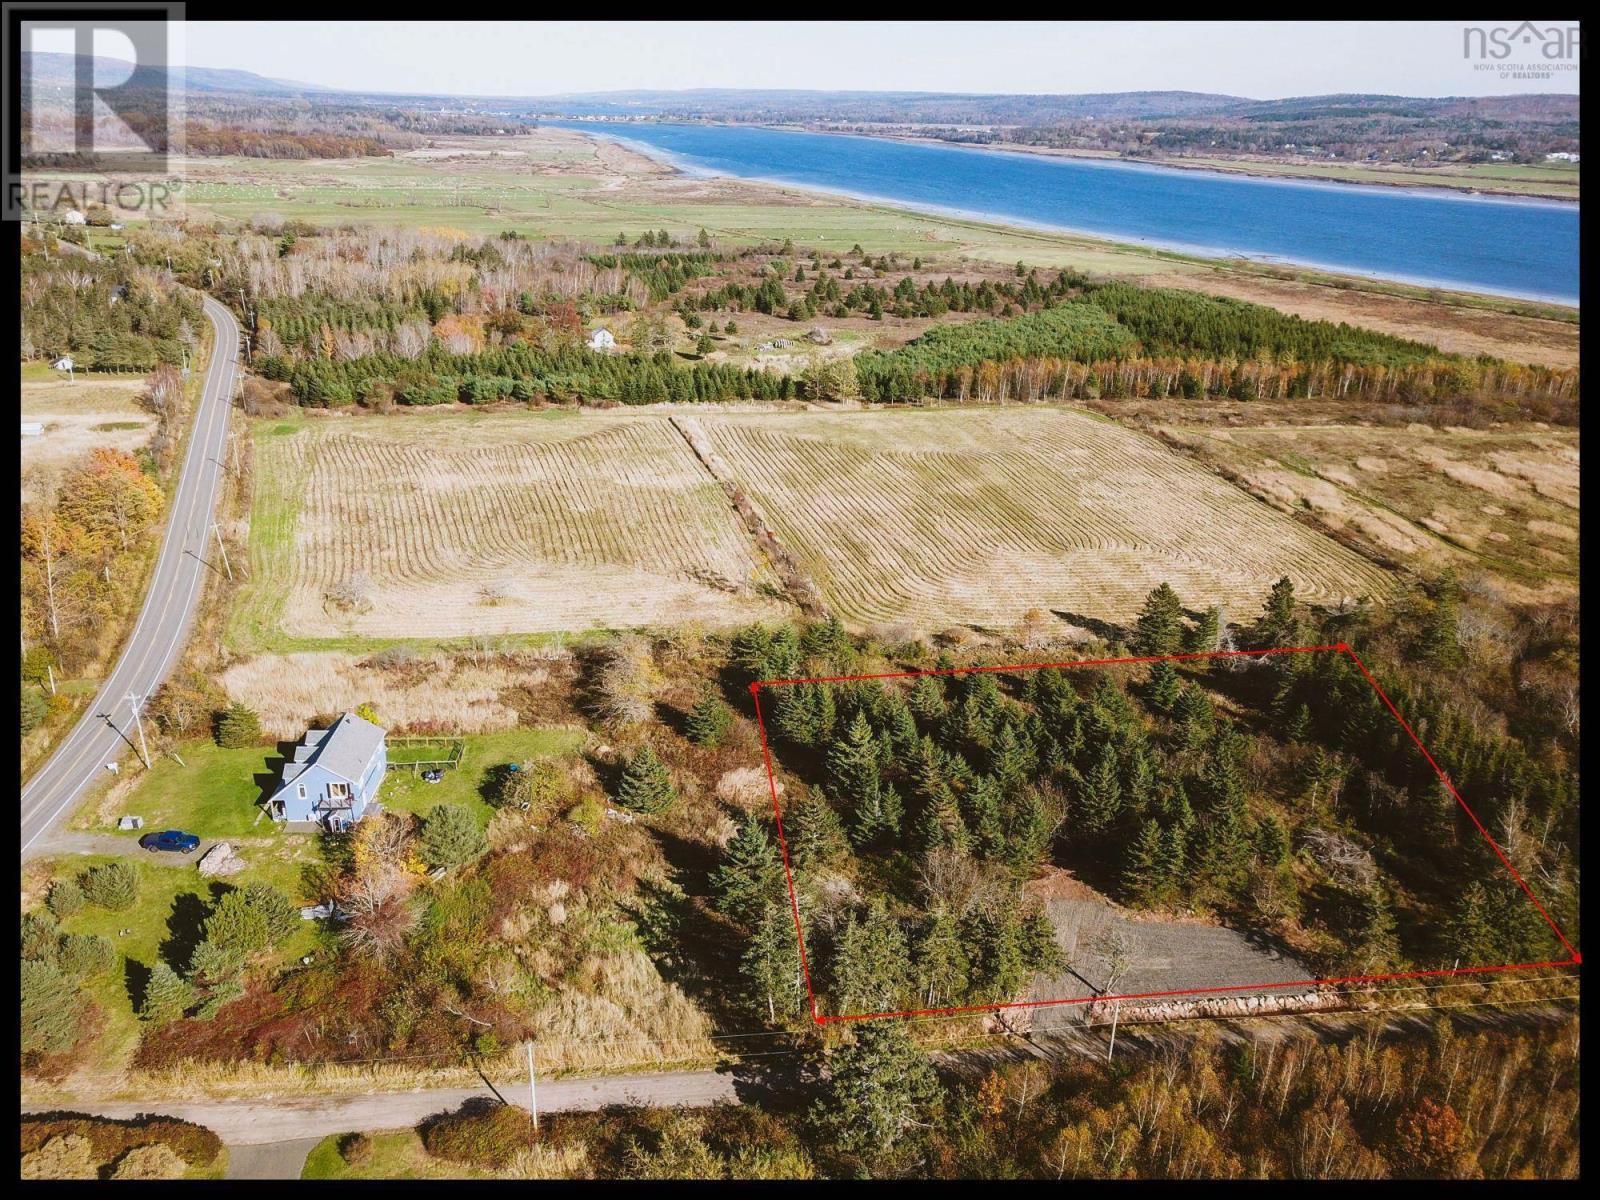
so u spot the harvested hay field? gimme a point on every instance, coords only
(1505, 499)
(975, 516)
(447, 525)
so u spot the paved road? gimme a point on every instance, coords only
(107, 730)
(285, 1128)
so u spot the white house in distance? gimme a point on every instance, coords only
(73, 217)
(602, 340)
(64, 363)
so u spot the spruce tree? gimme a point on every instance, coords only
(1278, 625)
(771, 966)
(708, 720)
(1163, 687)
(814, 834)
(1160, 627)
(238, 726)
(881, 1090)
(1142, 876)
(751, 874)
(166, 995)
(646, 785)
(1204, 636)
(871, 966)
(1100, 799)
(853, 778)
(941, 961)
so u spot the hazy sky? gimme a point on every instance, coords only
(1258, 59)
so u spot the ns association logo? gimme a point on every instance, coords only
(1500, 42)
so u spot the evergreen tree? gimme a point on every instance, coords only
(1173, 852)
(49, 1017)
(1142, 875)
(1470, 936)
(982, 809)
(1008, 760)
(880, 1090)
(1163, 687)
(1272, 840)
(1206, 635)
(1278, 625)
(113, 886)
(1159, 629)
(708, 720)
(927, 699)
(166, 995)
(871, 964)
(451, 835)
(1194, 716)
(1100, 799)
(751, 874)
(646, 785)
(940, 823)
(771, 965)
(854, 780)
(815, 834)
(941, 961)
(238, 726)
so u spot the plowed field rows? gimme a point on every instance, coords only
(973, 517)
(491, 526)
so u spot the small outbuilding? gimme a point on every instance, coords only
(603, 340)
(335, 775)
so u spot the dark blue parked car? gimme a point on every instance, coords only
(171, 839)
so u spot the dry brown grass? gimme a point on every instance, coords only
(1503, 498)
(78, 417)
(437, 691)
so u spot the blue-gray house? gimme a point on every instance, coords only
(334, 776)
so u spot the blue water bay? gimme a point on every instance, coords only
(1525, 248)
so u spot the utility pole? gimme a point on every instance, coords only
(144, 752)
(217, 529)
(1116, 1009)
(533, 1094)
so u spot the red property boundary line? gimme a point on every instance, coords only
(1340, 647)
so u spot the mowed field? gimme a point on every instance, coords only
(1501, 499)
(463, 524)
(975, 516)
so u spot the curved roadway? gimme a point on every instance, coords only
(107, 730)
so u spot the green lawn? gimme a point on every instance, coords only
(396, 1154)
(405, 792)
(171, 907)
(214, 795)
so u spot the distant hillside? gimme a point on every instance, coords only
(59, 70)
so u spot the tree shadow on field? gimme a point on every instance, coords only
(185, 930)
(703, 955)
(136, 978)
(1106, 631)
(674, 718)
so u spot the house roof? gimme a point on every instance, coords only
(345, 750)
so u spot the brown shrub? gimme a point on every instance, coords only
(355, 1148)
(66, 1156)
(481, 1133)
(109, 1140)
(149, 1162)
